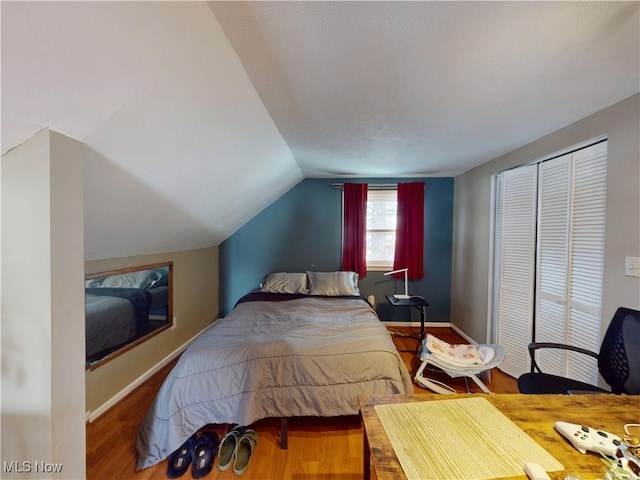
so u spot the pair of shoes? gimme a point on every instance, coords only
(237, 447)
(199, 451)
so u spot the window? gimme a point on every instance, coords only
(382, 206)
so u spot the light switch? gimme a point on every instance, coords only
(632, 266)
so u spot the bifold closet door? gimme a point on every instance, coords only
(554, 206)
(570, 259)
(515, 266)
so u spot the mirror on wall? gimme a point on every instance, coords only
(125, 307)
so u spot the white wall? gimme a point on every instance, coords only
(42, 327)
(621, 124)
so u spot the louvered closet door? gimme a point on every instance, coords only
(571, 227)
(554, 206)
(515, 241)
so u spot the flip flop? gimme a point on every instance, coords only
(244, 451)
(227, 449)
(180, 460)
(203, 454)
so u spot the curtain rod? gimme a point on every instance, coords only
(371, 186)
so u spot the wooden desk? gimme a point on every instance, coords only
(534, 414)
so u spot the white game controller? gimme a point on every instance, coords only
(589, 439)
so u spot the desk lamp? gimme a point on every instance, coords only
(406, 295)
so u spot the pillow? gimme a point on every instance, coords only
(93, 283)
(283, 282)
(164, 277)
(333, 284)
(145, 279)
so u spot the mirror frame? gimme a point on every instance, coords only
(125, 348)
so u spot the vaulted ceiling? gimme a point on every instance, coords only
(196, 116)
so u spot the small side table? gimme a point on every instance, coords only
(417, 302)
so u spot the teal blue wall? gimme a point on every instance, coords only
(303, 231)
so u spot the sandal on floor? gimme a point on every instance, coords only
(227, 449)
(204, 453)
(180, 460)
(244, 451)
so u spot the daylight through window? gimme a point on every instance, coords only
(382, 208)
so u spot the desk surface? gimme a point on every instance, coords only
(413, 301)
(534, 414)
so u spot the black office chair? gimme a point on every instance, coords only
(618, 361)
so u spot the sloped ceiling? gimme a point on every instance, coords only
(180, 149)
(197, 115)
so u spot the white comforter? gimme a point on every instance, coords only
(303, 357)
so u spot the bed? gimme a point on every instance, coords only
(283, 351)
(118, 307)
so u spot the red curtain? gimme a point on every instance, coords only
(410, 231)
(354, 228)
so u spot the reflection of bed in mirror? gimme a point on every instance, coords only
(122, 307)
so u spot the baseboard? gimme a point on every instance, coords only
(389, 323)
(463, 335)
(102, 409)
(431, 325)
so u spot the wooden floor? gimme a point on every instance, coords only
(319, 448)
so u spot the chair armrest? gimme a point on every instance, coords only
(586, 392)
(558, 346)
(562, 346)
